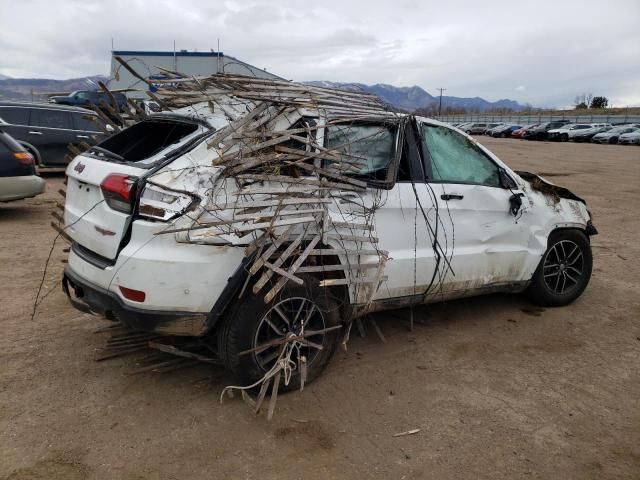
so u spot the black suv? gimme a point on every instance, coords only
(46, 130)
(540, 132)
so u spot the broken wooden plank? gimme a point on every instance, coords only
(61, 232)
(285, 255)
(300, 181)
(299, 261)
(274, 395)
(336, 251)
(336, 268)
(270, 251)
(270, 203)
(181, 353)
(352, 238)
(284, 273)
(332, 282)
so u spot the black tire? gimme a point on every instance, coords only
(564, 137)
(613, 140)
(564, 271)
(244, 328)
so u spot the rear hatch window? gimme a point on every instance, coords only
(141, 143)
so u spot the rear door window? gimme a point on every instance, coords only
(15, 115)
(373, 145)
(41, 117)
(87, 123)
(455, 159)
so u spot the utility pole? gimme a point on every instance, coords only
(440, 105)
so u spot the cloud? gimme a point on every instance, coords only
(466, 47)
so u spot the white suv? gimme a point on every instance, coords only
(567, 132)
(179, 228)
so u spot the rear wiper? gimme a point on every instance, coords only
(108, 153)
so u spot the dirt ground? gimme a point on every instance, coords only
(498, 389)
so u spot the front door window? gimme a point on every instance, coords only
(455, 159)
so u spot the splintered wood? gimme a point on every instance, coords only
(283, 191)
(281, 183)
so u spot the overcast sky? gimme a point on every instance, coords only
(538, 52)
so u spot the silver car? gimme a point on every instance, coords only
(631, 138)
(611, 136)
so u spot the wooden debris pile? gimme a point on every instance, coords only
(288, 193)
(159, 356)
(282, 186)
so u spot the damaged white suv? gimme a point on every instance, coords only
(266, 227)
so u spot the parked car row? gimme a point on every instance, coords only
(45, 130)
(559, 130)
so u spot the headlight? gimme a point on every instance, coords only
(163, 204)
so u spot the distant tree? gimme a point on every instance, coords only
(584, 99)
(599, 102)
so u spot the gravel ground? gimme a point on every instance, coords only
(498, 389)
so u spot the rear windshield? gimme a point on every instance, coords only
(145, 139)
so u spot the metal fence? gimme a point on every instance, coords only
(524, 119)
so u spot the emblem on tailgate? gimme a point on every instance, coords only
(79, 167)
(104, 231)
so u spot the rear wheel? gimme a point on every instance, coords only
(564, 271)
(613, 140)
(297, 310)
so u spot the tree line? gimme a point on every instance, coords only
(588, 100)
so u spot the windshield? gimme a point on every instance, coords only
(618, 129)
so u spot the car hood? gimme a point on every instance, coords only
(545, 186)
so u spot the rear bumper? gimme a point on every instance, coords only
(17, 188)
(92, 299)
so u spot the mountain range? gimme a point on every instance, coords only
(402, 98)
(413, 98)
(34, 88)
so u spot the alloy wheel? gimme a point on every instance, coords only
(563, 267)
(289, 318)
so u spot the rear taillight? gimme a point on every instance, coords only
(24, 158)
(163, 204)
(119, 192)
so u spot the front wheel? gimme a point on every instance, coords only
(297, 310)
(564, 271)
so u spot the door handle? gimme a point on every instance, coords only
(34, 133)
(450, 196)
(82, 136)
